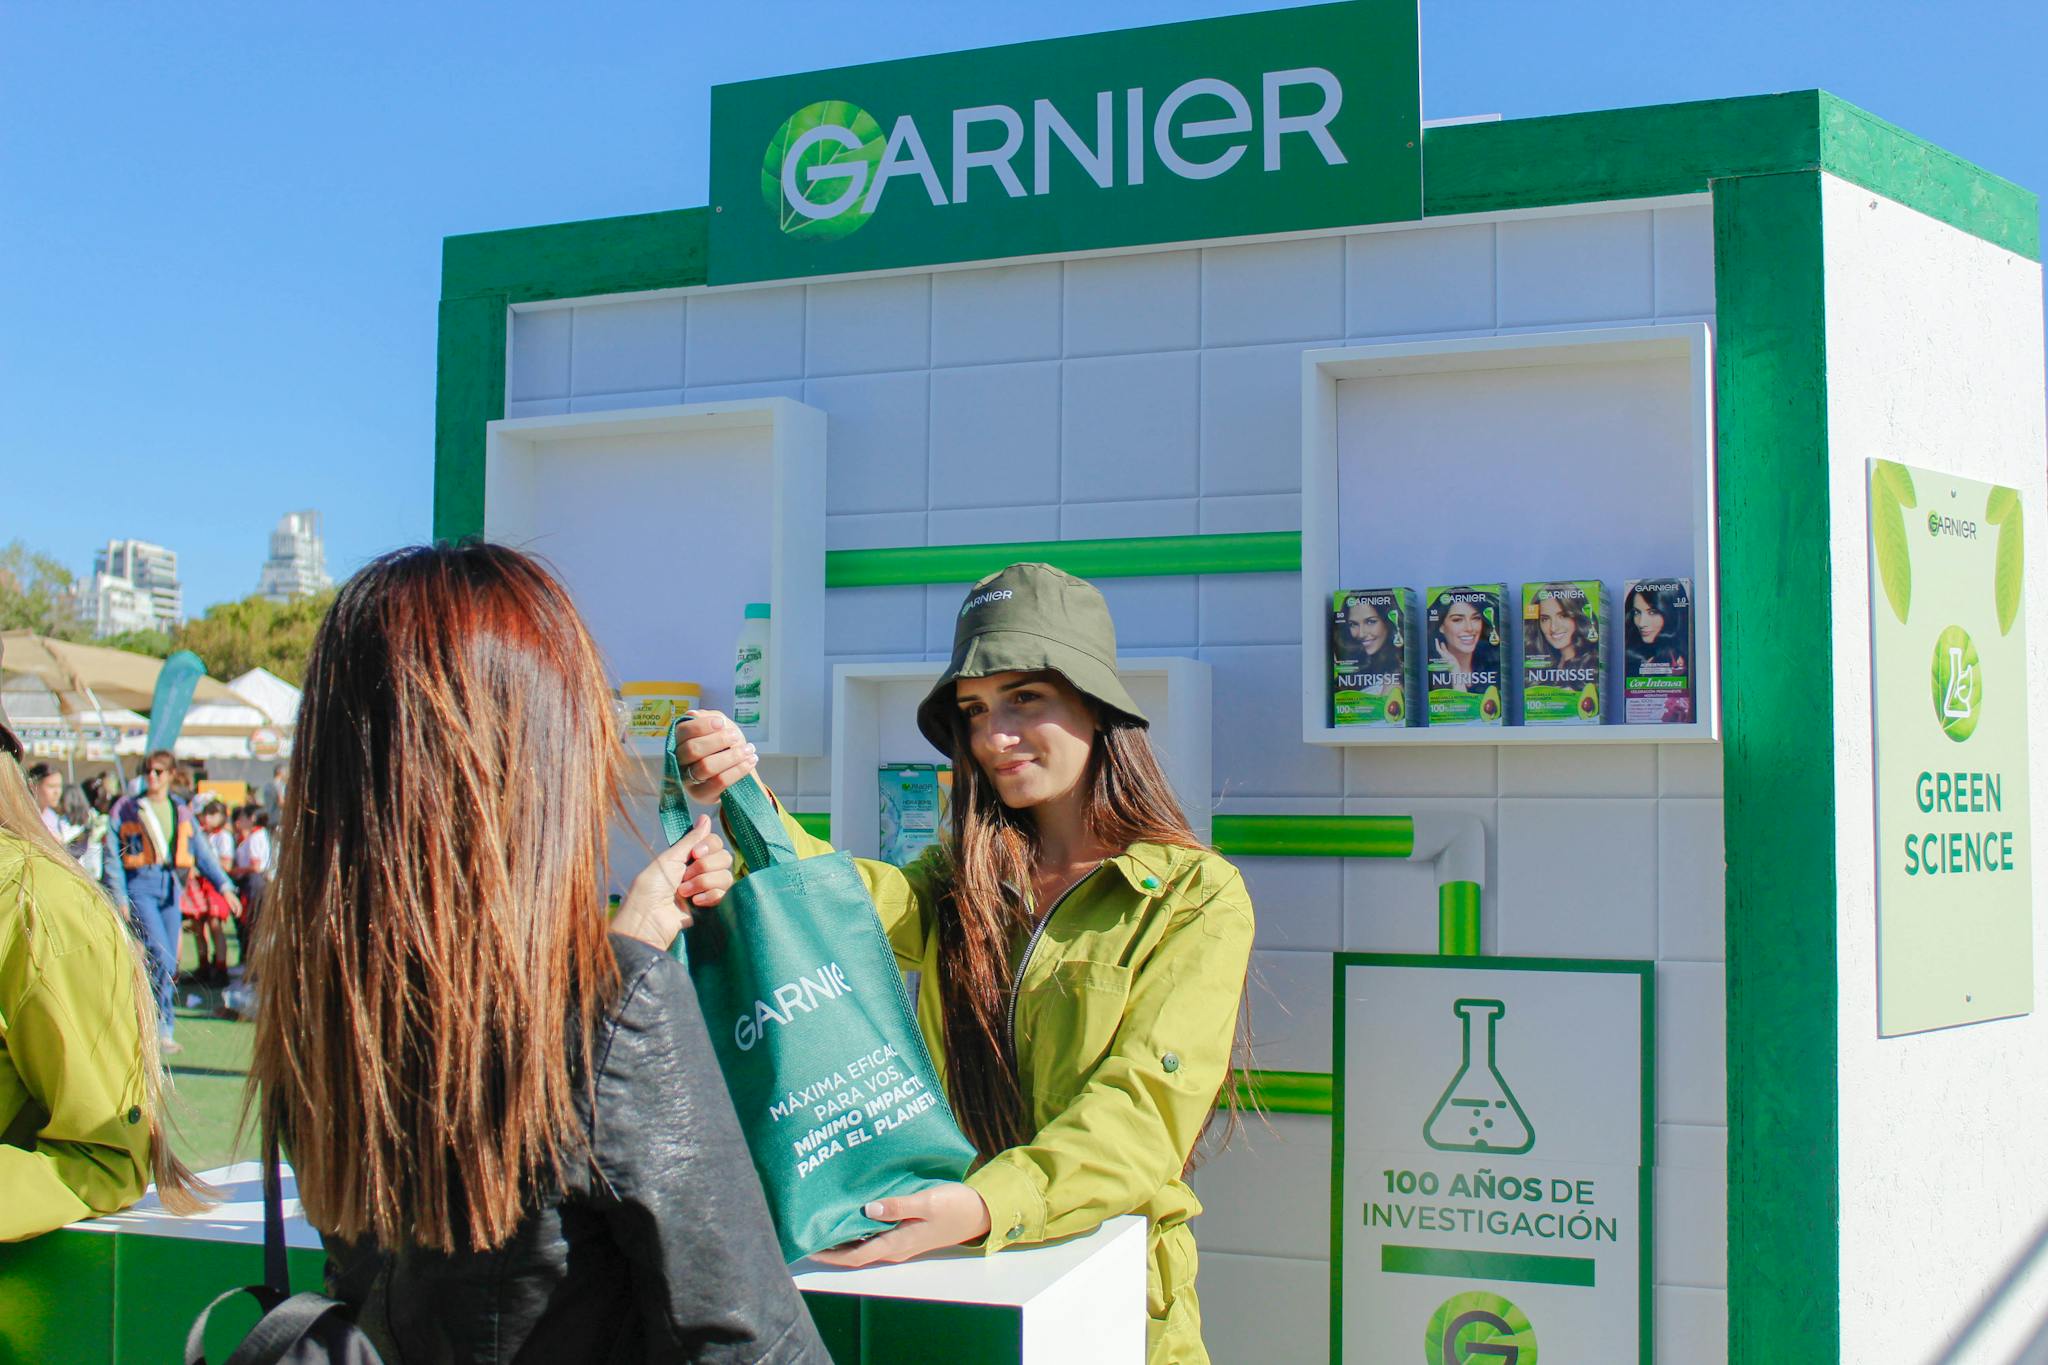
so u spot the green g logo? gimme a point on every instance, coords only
(1478, 1328)
(818, 166)
(1934, 523)
(1958, 684)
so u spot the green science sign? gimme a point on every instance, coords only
(1250, 124)
(1949, 664)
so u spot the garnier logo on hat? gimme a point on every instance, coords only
(983, 599)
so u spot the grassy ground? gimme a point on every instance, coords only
(206, 1100)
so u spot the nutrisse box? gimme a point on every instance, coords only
(1564, 680)
(1656, 651)
(1373, 678)
(1463, 649)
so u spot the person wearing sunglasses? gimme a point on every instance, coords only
(160, 848)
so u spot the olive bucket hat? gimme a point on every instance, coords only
(1025, 619)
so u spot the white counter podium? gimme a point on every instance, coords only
(1076, 1302)
(125, 1287)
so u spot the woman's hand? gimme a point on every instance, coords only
(696, 870)
(942, 1216)
(713, 755)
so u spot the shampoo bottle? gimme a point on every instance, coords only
(750, 670)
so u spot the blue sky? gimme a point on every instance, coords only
(220, 223)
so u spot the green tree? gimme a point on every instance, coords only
(35, 594)
(234, 637)
(155, 643)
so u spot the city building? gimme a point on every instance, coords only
(112, 605)
(297, 566)
(134, 587)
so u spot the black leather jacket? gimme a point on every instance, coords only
(663, 1253)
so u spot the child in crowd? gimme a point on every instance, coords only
(251, 870)
(206, 909)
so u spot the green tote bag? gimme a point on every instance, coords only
(836, 1093)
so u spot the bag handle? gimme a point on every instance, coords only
(750, 815)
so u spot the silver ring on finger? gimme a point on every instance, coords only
(690, 773)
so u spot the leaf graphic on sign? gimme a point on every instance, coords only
(1891, 491)
(1898, 480)
(2002, 504)
(2011, 564)
(844, 120)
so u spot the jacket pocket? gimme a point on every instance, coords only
(1086, 1008)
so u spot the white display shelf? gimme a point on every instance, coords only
(665, 522)
(874, 721)
(1581, 454)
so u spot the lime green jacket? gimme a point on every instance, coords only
(1125, 1017)
(74, 1140)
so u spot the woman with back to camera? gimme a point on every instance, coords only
(81, 1080)
(508, 1126)
(1082, 957)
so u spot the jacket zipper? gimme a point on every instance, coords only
(1038, 932)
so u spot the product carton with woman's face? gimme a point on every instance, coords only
(1656, 624)
(1464, 659)
(1372, 653)
(1563, 677)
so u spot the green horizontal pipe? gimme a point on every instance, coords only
(1314, 836)
(1274, 836)
(1137, 557)
(1457, 919)
(1284, 1092)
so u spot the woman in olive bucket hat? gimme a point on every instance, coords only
(1081, 956)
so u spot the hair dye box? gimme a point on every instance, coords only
(914, 800)
(1656, 652)
(1373, 677)
(1564, 677)
(1465, 651)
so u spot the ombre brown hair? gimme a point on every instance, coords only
(433, 942)
(989, 853)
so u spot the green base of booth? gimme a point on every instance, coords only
(89, 1298)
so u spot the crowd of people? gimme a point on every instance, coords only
(172, 858)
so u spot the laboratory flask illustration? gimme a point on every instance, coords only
(1479, 1111)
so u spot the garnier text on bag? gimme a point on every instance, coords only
(836, 1093)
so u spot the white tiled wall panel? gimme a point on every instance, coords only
(1129, 428)
(1159, 393)
(1575, 269)
(981, 317)
(540, 355)
(1268, 1192)
(995, 437)
(1691, 1326)
(1265, 1310)
(861, 326)
(1278, 291)
(627, 348)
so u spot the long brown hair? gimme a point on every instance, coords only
(434, 934)
(176, 1187)
(986, 907)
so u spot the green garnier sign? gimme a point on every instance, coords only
(1241, 126)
